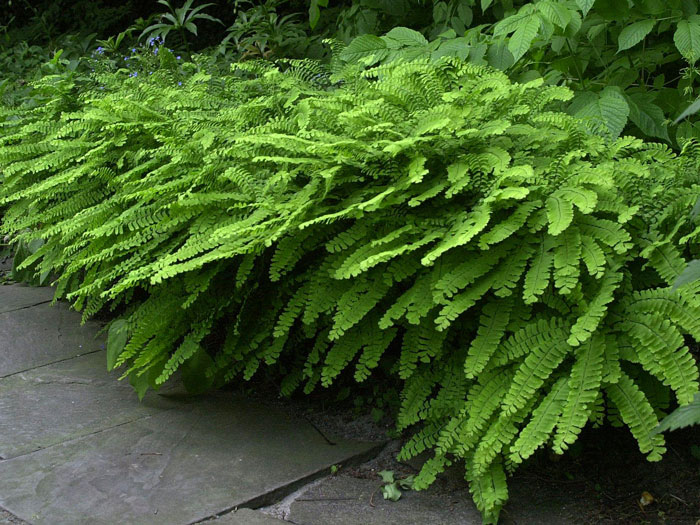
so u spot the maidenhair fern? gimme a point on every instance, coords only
(511, 268)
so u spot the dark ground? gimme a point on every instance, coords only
(601, 480)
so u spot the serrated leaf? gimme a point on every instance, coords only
(585, 5)
(555, 12)
(633, 34)
(499, 56)
(689, 275)
(522, 39)
(608, 109)
(647, 116)
(687, 38)
(690, 110)
(365, 46)
(407, 37)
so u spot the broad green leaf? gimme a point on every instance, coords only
(632, 34)
(365, 46)
(485, 4)
(647, 116)
(457, 47)
(585, 5)
(690, 110)
(407, 37)
(687, 38)
(684, 416)
(511, 23)
(522, 39)
(315, 12)
(116, 341)
(194, 371)
(387, 476)
(391, 492)
(555, 12)
(607, 109)
(499, 56)
(689, 275)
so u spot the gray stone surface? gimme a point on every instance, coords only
(16, 296)
(180, 466)
(245, 517)
(343, 500)
(70, 399)
(40, 335)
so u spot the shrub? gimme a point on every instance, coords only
(512, 269)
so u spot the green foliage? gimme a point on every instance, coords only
(429, 218)
(261, 31)
(682, 417)
(179, 19)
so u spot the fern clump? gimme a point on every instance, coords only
(513, 269)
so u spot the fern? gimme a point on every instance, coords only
(428, 218)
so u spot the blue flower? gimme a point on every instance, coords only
(100, 50)
(155, 51)
(133, 74)
(179, 83)
(178, 57)
(126, 58)
(133, 50)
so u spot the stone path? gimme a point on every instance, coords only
(76, 446)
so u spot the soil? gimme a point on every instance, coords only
(602, 479)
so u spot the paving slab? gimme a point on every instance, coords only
(344, 500)
(180, 466)
(244, 517)
(18, 296)
(40, 335)
(51, 404)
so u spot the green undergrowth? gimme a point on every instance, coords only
(510, 268)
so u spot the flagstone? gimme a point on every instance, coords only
(51, 404)
(40, 335)
(179, 466)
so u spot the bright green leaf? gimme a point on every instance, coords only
(632, 34)
(606, 111)
(687, 38)
(585, 5)
(522, 39)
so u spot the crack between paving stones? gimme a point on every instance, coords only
(279, 493)
(13, 516)
(25, 307)
(50, 364)
(319, 431)
(84, 436)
